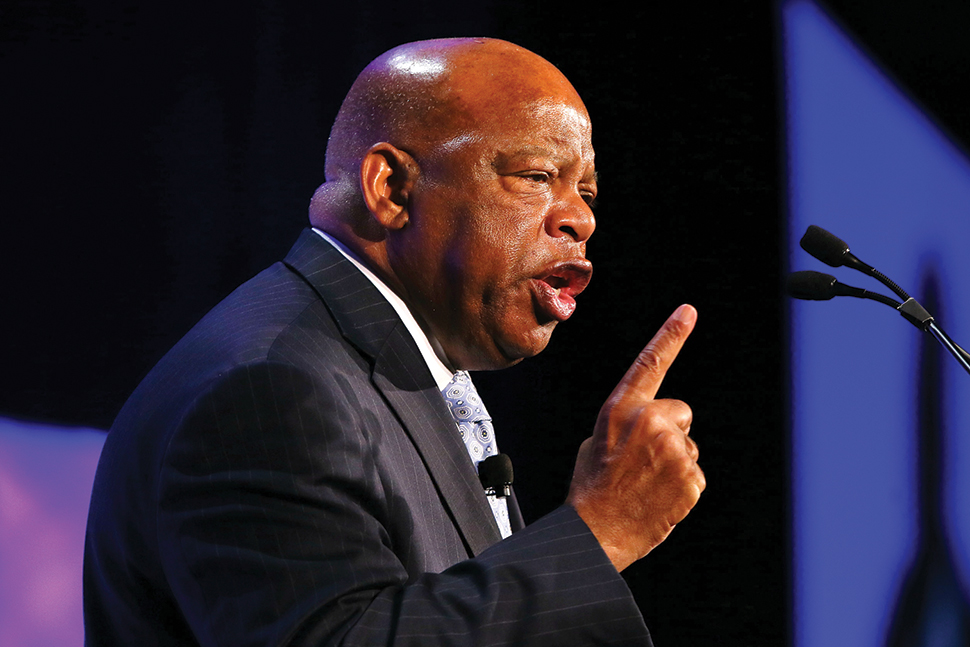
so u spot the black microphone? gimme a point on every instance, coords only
(815, 286)
(495, 473)
(829, 248)
(811, 286)
(834, 252)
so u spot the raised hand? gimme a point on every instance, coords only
(637, 476)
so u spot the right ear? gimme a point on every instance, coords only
(387, 175)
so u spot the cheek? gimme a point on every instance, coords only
(499, 252)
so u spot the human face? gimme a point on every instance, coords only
(493, 253)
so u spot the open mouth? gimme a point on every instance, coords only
(557, 287)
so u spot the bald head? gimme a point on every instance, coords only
(418, 95)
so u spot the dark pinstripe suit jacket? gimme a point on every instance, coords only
(290, 475)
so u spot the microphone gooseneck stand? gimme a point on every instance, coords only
(833, 251)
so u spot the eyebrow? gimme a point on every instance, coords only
(537, 151)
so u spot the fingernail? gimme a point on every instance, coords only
(686, 314)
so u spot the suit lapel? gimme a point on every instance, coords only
(369, 322)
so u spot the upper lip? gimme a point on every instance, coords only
(570, 276)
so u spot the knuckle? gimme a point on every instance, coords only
(700, 481)
(683, 409)
(692, 449)
(652, 417)
(675, 331)
(680, 413)
(677, 328)
(671, 446)
(686, 467)
(650, 361)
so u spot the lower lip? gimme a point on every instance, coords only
(556, 306)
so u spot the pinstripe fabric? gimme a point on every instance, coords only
(289, 475)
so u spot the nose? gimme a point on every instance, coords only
(574, 219)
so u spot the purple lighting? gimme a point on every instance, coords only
(45, 485)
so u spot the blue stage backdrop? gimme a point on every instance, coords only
(868, 165)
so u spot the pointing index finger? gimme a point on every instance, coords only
(648, 370)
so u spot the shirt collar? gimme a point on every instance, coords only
(429, 348)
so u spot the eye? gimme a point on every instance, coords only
(537, 176)
(589, 197)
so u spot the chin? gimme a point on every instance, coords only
(502, 351)
(530, 344)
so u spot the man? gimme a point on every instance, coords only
(290, 472)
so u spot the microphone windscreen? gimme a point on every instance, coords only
(495, 471)
(826, 247)
(813, 286)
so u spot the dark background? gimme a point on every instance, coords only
(155, 155)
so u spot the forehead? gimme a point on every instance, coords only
(547, 127)
(506, 99)
(496, 84)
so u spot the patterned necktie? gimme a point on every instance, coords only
(475, 427)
